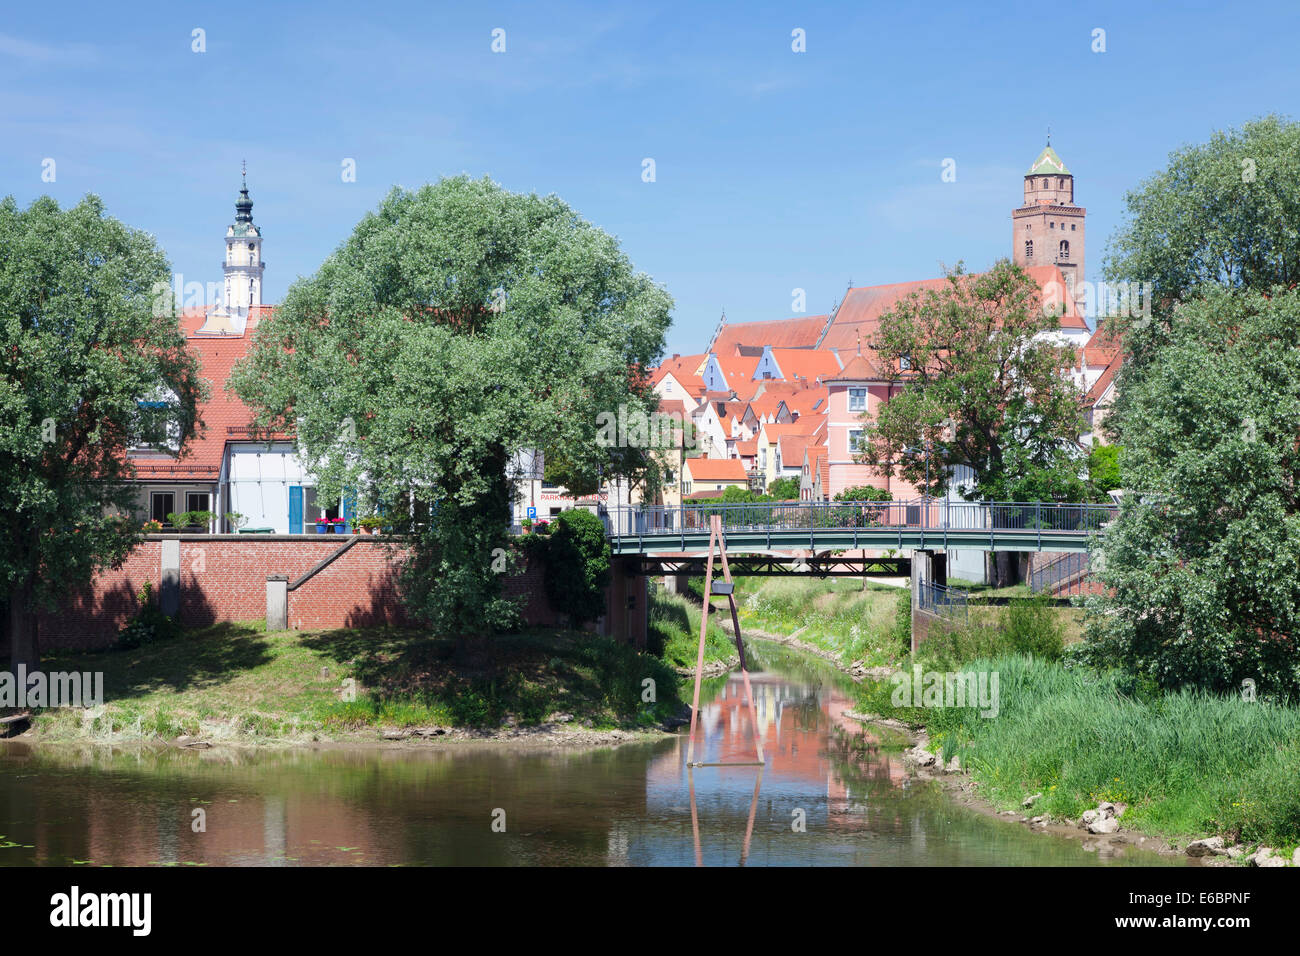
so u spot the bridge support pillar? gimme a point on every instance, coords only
(626, 603)
(675, 583)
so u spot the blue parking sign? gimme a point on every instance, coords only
(532, 514)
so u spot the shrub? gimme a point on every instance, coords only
(578, 566)
(149, 625)
(1032, 627)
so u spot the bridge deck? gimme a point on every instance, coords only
(923, 524)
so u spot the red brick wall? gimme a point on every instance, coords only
(91, 618)
(224, 579)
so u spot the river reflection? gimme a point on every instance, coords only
(635, 805)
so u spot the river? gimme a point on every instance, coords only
(831, 793)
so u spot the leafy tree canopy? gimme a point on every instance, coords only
(1201, 564)
(1222, 213)
(458, 324)
(864, 493)
(80, 349)
(784, 489)
(979, 383)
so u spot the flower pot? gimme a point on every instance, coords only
(321, 527)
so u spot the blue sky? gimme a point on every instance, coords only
(775, 170)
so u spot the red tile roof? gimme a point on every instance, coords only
(806, 364)
(859, 314)
(716, 469)
(861, 368)
(1104, 381)
(800, 332)
(223, 417)
(682, 368)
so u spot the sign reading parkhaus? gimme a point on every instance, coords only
(55, 689)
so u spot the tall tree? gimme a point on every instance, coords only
(1202, 565)
(457, 325)
(1221, 214)
(980, 383)
(87, 369)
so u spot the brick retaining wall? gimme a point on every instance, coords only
(223, 578)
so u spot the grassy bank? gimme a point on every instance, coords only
(674, 622)
(1187, 764)
(833, 614)
(238, 682)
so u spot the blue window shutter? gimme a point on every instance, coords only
(295, 509)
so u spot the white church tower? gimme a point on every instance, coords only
(243, 266)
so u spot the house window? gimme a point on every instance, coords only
(1051, 225)
(855, 438)
(161, 504)
(905, 362)
(197, 501)
(762, 458)
(1065, 249)
(1072, 227)
(1029, 248)
(857, 399)
(1060, 184)
(686, 487)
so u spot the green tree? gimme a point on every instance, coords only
(784, 489)
(1103, 470)
(1202, 565)
(979, 384)
(87, 370)
(578, 566)
(1221, 214)
(458, 325)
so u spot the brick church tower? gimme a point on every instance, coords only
(1048, 229)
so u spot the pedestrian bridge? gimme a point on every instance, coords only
(923, 524)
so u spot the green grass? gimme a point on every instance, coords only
(675, 630)
(835, 614)
(236, 681)
(1185, 763)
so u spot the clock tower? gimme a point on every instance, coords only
(243, 265)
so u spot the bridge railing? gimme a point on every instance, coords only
(809, 516)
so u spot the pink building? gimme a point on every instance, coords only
(859, 389)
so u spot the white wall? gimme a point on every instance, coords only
(258, 479)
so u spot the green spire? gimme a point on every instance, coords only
(1048, 163)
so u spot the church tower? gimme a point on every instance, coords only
(1048, 229)
(243, 266)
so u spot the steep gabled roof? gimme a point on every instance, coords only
(858, 316)
(223, 417)
(685, 369)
